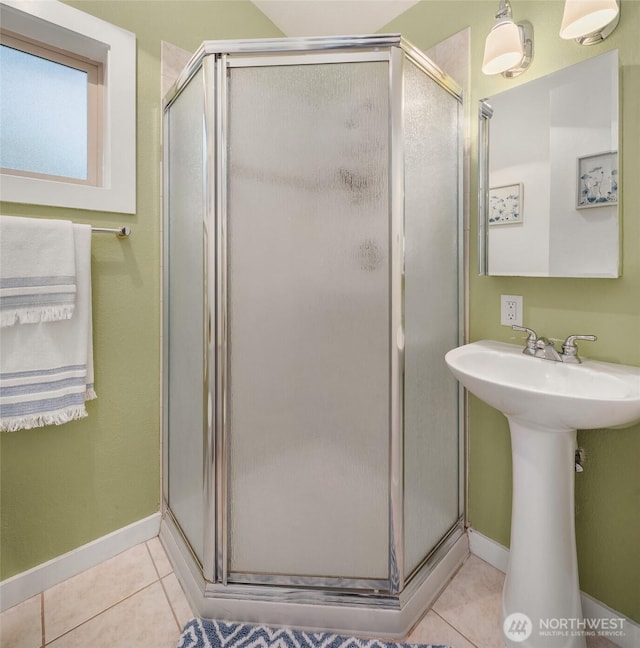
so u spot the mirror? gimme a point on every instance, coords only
(548, 186)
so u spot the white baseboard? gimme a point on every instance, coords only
(497, 555)
(489, 550)
(22, 586)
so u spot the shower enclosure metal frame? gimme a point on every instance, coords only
(400, 597)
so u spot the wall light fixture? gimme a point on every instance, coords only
(589, 21)
(508, 49)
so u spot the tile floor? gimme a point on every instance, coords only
(135, 600)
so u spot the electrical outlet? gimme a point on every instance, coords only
(511, 310)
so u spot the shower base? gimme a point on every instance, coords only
(371, 614)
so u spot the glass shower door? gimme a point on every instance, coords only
(431, 124)
(184, 418)
(307, 423)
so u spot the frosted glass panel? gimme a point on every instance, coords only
(186, 238)
(308, 259)
(43, 111)
(431, 313)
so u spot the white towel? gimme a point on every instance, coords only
(37, 270)
(46, 369)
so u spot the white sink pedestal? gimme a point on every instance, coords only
(542, 576)
(545, 403)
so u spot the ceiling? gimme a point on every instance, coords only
(332, 17)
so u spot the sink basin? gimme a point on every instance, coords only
(545, 403)
(546, 393)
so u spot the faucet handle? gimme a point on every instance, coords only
(531, 340)
(570, 348)
(524, 329)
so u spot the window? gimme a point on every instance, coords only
(49, 111)
(67, 108)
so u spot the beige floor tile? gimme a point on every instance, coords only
(144, 620)
(434, 630)
(21, 625)
(159, 557)
(77, 599)
(473, 601)
(177, 599)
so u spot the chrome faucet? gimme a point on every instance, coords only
(546, 350)
(541, 347)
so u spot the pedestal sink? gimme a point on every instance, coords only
(545, 403)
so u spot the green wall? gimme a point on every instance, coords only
(62, 487)
(608, 491)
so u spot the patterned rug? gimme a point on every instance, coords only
(202, 633)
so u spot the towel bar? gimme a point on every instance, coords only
(120, 232)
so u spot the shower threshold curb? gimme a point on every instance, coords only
(383, 616)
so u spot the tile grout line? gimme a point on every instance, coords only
(44, 644)
(153, 562)
(462, 634)
(173, 612)
(42, 618)
(95, 616)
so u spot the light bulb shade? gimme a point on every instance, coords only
(582, 17)
(503, 48)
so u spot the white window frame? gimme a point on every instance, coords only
(67, 28)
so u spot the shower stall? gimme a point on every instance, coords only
(312, 447)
